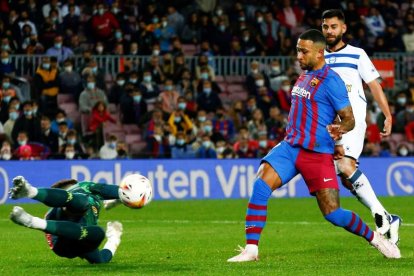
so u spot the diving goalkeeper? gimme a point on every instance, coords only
(71, 225)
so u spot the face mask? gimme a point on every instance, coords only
(259, 82)
(71, 141)
(58, 45)
(403, 151)
(201, 119)
(207, 91)
(222, 28)
(22, 142)
(401, 101)
(99, 49)
(286, 88)
(133, 80)
(242, 18)
(101, 11)
(137, 98)
(60, 120)
(4, 60)
(245, 149)
(168, 87)
(95, 70)
(255, 71)
(68, 69)
(46, 66)
(156, 52)
(147, 78)
(157, 137)
(17, 106)
(246, 38)
(155, 20)
(6, 99)
(6, 156)
(219, 12)
(70, 154)
(5, 47)
(263, 143)
(90, 85)
(112, 145)
(182, 106)
(180, 142)
(115, 10)
(204, 76)
(177, 119)
(259, 19)
(276, 69)
(121, 82)
(13, 116)
(6, 85)
(164, 24)
(208, 128)
(220, 150)
(118, 35)
(34, 110)
(206, 144)
(410, 110)
(28, 113)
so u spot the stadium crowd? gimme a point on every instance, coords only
(172, 109)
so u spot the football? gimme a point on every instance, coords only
(135, 191)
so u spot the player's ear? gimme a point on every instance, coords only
(344, 28)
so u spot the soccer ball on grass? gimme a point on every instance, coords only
(135, 191)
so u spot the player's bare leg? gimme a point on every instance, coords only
(354, 180)
(328, 201)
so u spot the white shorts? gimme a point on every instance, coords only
(353, 141)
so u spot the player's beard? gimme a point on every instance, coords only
(333, 43)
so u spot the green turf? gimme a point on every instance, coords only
(196, 238)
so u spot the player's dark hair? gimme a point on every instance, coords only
(313, 35)
(64, 183)
(333, 13)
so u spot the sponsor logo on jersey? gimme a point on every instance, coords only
(331, 60)
(300, 92)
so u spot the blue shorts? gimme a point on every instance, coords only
(317, 169)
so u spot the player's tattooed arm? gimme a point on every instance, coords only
(345, 124)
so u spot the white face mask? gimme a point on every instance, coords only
(70, 154)
(255, 71)
(403, 151)
(6, 156)
(286, 88)
(259, 82)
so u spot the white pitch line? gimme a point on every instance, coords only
(177, 221)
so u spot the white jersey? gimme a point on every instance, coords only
(353, 65)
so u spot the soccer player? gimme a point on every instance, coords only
(71, 224)
(353, 65)
(308, 149)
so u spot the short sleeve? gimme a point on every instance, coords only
(337, 93)
(366, 68)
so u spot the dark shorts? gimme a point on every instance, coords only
(317, 169)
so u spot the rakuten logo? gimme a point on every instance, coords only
(300, 92)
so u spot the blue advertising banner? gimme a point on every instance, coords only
(197, 179)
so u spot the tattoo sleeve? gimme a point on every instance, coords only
(347, 121)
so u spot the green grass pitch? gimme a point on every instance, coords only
(196, 238)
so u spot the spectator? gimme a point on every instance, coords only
(154, 68)
(149, 88)
(179, 121)
(29, 150)
(169, 97)
(272, 34)
(108, 150)
(206, 150)
(133, 107)
(6, 66)
(223, 124)
(275, 124)
(70, 81)
(190, 104)
(62, 136)
(181, 71)
(252, 76)
(276, 75)
(90, 96)
(282, 96)
(60, 116)
(118, 89)
(403, 150)
(408, 38)
(203, 70)
(221, 39)
(93, 69)
(256, 124)
(191, 33)
(164, 33)
(290, 17)
(48, 137)
(27, 123)
(99, 116)
(70, 153)
(103, 23)
(250, 44)
(405, 117)
(6, 151)
(375, 22)
(59, 50)
(46, 86)
(243, 150)
(237, 114)
(72, 139)
(265, 145)
(182, 149)
(9, 124)
(8, 90)
(385, 149)
(158, 145)
(208, 100)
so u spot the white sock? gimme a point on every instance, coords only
(112, 245)
(38, 223)
(252, 248)
(32, 192)
(365, 193)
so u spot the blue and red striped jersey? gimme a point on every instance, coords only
(316, 97)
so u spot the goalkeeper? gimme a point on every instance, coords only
(71, 224)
